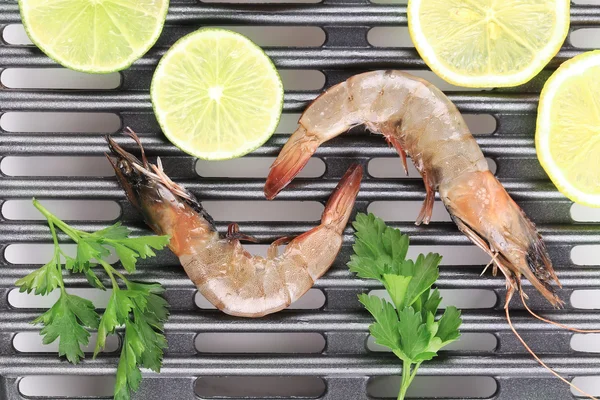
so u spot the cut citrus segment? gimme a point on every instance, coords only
(567, 138)
(488, 43)
(217, 95)
(97, 36)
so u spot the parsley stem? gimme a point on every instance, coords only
(72, 233)
(120, 275)
(109, 270)
(406, 375)
(413, 373)
(57, 253)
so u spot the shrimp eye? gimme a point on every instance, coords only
(125, 167)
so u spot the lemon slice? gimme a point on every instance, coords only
(217, 95)
(567, 137)
(488, 43)
(96, 36)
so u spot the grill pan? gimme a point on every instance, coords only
(345, 365)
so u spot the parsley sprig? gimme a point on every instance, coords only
(137, 306)
(408, 326)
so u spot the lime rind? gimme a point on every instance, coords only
(117, 66)
(180, 48)
(523, 76)
(571, 68)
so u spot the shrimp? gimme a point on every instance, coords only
(420, 121)
(232, 279)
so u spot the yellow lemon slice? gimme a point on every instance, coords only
(567, 137)
(488, 43)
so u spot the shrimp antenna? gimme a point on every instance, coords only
(548, 321)
(129, 132)
(543, 364)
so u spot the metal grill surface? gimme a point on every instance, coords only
(345, 364)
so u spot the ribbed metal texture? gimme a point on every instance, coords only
(345, 364)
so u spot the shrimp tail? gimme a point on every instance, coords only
(341, 202)
(293, 157)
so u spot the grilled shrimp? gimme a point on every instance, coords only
(232, 279)
(420, 121)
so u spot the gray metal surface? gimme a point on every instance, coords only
(345, 364)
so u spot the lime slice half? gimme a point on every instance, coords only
(97, 36)
(567, 136)
(217, 95)
(488, 43)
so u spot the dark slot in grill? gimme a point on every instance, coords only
(345, 365)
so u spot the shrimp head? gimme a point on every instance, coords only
(489, 217)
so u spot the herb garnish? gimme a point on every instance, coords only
(138, 306)
(408, 326)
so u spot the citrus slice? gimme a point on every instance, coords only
(216, 94)
(488, 43)
(567, 137)
(97, 36)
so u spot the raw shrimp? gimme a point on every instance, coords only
(232, 279)
(420, 121)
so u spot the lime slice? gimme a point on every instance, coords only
(567, 137)
(488, 43)
(97, 36)
(217, 95)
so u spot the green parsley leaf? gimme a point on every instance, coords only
(414, 336)
(127, 256)
(88, 250)
(93, 279)
(71, 264)
(74, 266)
(397, 286)
(429, 302)
(154, 342)
(385, 329)
(426, 272)
(66, 321)
(116, 231)
(144, 245)
(445, 330)
(143, 343)
(115, 315)
(130, 249)
(43, 280)
(377, 247)
(129, 375)
(449, 324)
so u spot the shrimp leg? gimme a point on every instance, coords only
(427, 208)
(273, 250)
(233, 232)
